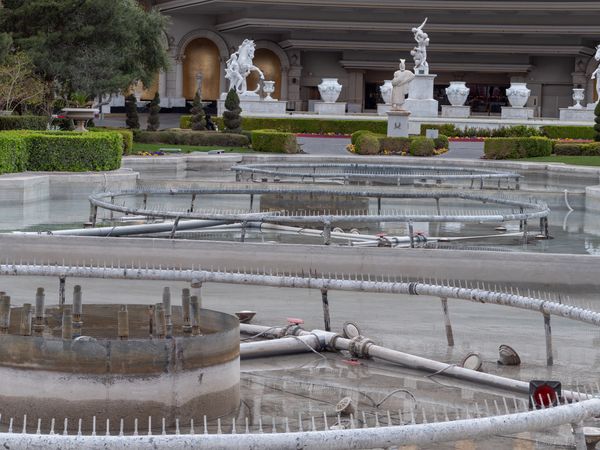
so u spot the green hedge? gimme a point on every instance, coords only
(568, 132)
(441, 142)
(185, 137)
(63, 151)
(368, 143)
(126, 134)
(448, 129)
(24, 122)
(274, 141)
(13, 153)
(421, 146)
(577, 149)
(301, 125)
(517, 147)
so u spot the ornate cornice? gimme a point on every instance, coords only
(437, 5)
(332, 25)
(550, 49)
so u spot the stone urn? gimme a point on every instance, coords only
(80, 116)
(518, 94)
(269, 88)
(578, 96)
(457, 93)
(386, 91)
(330, 90)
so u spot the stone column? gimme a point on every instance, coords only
(179, 77)
(293, 87)
(162, 89)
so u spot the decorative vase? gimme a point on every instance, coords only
(518, 94)
(578, 96)
(80, 116)
(386, 91)
(330, 90)
(269, 88)
(457, 93)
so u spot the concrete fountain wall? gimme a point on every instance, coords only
(180, 377)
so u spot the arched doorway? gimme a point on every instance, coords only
(201, 56)
(267, 61)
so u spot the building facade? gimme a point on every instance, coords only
(548, 44)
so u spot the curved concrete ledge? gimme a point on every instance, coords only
(576, 273)
(37, 186)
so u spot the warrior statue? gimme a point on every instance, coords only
(596, 73)
(419, 53)
(239, 66)
(400, 83)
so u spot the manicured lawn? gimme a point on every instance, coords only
(577, 160)
(139, 148)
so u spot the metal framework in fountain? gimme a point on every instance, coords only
(370, 173)
(515, 209)
(478, 423)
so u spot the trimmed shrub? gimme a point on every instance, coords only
(24, 122)
(154, 116)
(187, 137)
(567, 132)
(515, 148)
(126, 134)
(368, 144)
(451, 130)
(274, 141)
(592, 149)
(441, 142)
(516, 131)
(354, 137)
(73, 152)
(133, 120)
(569, 149)
(394, 145)
(231, 117)
(421, 146)
(302, 125)
(13, 153)
(198, 118)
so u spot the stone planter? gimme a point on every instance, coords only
(578, 96)
(80, 116)
(330, 90)
(269, 88)
(457, 93)
(386, 91)
(518, 94)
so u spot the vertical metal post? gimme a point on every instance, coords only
(192, 203)
(4, 314)
(77, 311)
(548, 331)
(40, 299)
(379, 205)
(67, 324)
(327, 233)
(243, 233)
(546, 227)
(580, 442)
(411, 235)
(525, 231)
(168, 312)
(61, 290)
(174, 229)
(437, 204)
(449, 334)
(196, 291)
(325, 302)
(145, 201)
(251, 201)
(185, 306)
(94, 216)
(26, 314)
(112, 202)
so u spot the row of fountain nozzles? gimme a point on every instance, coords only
(33, 319)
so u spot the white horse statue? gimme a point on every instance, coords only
(596, 73)
(239, 66)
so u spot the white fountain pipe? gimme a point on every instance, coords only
(405, 359)
(127, 230)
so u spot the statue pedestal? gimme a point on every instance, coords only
(456, 111)
(577, 114)
(383, 108)
(255, 106)
(512, 112)
(398, 123)
(420, 100)
(332, 109)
